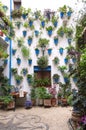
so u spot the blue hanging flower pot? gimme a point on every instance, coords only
(69, 14)
(5, 61)
(37, 51)
(49, 32)
(66, 80)
(24, 16)
(55, 24)
(61, 51)
(55, 41)
(7, 39)
(61, 14)
(30, 23)
(13, 51)
(18, 61)
(56, 80)
(29, 42)
(24, 33)
(49, 51)
(66, 60)
(69, 40)
(74, 60)
(30, 61)
(43, 24)
(74, 79)
(18, 82)
(36, 33)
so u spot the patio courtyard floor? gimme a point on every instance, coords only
(36, 118)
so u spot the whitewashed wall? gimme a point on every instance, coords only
(45, 4)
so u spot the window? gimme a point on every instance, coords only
(17, 4)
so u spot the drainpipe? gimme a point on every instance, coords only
(10, 48)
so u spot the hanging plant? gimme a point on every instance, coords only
(29, 78)
(24, 33)
(18, 61)
(25, 24)
(42, 62)
(36, 33)
(24, 71)
(62, 68)
(13, 51)
(30, 39)
(49, 51)
(18, 24)
(55, 20)
(60, 31)
(14, 70)
(42, 19)
(37, 14)
(63, 11)
(30, 61)
(49, 30)
(17, 13)
(5, 62)
(30, 22)
(20, 41)
(56, 40)
(37, 51)
(56, 60)
(56, 78)
(24, 13)
(66, 78)
(61, 50)
(18, 79)
(69, 12)
(25, 51)
(68, 31)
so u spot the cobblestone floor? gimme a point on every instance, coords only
(36, 118)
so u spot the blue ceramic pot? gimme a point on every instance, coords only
(29, 42)
(65, 60)
(36, 33)
(66, 80)
(61, 51)
(43, 24)
(49, 32)
(56, 80)
(30, 61)
(69, 40)
(24, 33)
(18, 61)
(7, 39)
(55, 24)
(18, 82)
(55, 41)
(13, 51)
(49, 51)
(37, 51)
(69, 14)
(5, 61)
(30, 23)
(61, 14)
(24, 16)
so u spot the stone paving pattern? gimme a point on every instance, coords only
(36, 118)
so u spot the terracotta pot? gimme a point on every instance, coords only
(1, 33)
(47, 102)
(11, 105)
(53, 102)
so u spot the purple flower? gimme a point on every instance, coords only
(83, 120)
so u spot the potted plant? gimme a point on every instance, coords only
(18, 24)
(42, 19)
(18, 79)
(49, 51)
(40, 92)
(20, 41)
(56, 78)
(24, 71)
(56, 40)
(25, 51)
(69, 12)
(24, 33)
(66, 78)
(17, 13)
(37, 51)
(18, 61)
(60, 31)
(25, 12)
(29, 78)
(62, 68)
(63, 11)
(68, 31)
(37, 14)
(61, 50)
(30, 22)
(42, 62)
(56, 60)
(14, 70)
(47, 100)
(36, 33)
(13, 51)
(33, 96)
(49, 30)
(55, 20)
(30, 38)
(30, 61)
(25, 24)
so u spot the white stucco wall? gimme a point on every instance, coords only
(45, 4)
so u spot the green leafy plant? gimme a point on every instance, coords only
(56, 60)
(42, 62)
(14, 70)
(49, 28)
(63, 9)
(25, 51)
(62, 68)
(43, 42)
